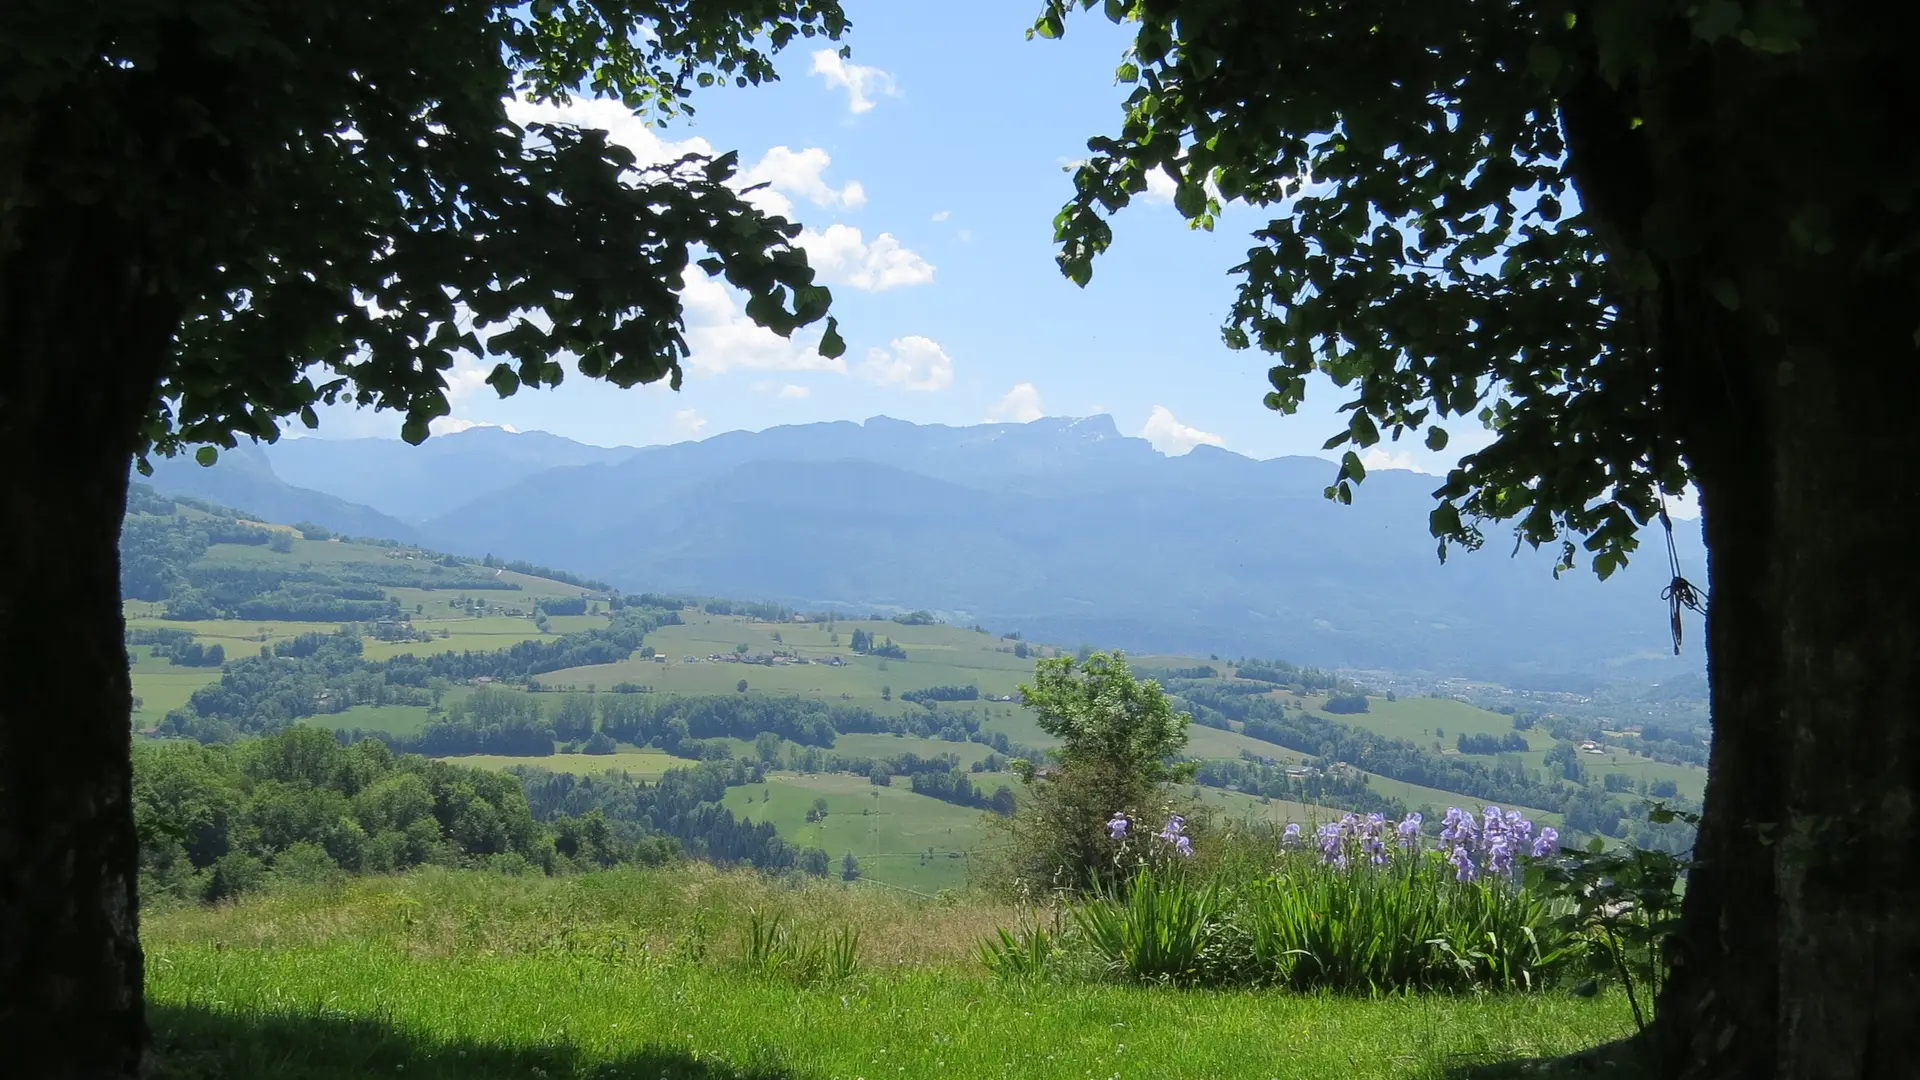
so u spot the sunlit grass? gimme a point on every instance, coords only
(639, 974)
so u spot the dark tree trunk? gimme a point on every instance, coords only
(1792, 394)
(1801, 956)
(82, 341)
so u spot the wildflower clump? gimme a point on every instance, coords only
(1360, 903)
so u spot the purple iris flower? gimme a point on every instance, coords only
(1494, 821)
(1176, 827)
(1463, 864)
(1500, 856)
(1458, 828)
(1548, 844)
(1290, 836)
(1332, 841)
(1409, 829)
(1184, 846)
(1117, 828)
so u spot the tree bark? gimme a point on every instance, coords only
(1763, 190)
(1801, 950)
(83, 337)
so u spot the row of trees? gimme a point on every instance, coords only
(217, 821)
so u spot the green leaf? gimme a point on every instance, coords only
(1351, 468)
(1364, 432)
(414, 431)
(1190, 199)
(832, 345)
(206, 456)
(1444, 521)
(1436, 439)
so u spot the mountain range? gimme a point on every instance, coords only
(1061, 528)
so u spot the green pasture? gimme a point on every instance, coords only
(641, 764)
(880, 746)
(163, 689)
(392, 719)
(888, 829)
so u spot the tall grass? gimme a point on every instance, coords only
(1161, 928)
(775, 946)
(1404, 926)
(1357, 911)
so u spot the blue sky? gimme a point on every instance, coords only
(927, 169)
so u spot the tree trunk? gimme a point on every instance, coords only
(1800, 956)
(82, 341)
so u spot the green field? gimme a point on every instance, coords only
(478, 976)
(936, 656)
(642, 764)
(889, 829)
(881, 746)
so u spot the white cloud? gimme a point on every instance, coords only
(1160, 188)
(915, 363)
(842, 256)
(798, 172)
(942, 215)
(466, 378)
(794, 392)
(1173, 438)
(1020, 405)
(863, 83)
(689, 422)
(1379, 457)
(722, 338)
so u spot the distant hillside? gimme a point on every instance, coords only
(1062, 528)
(245, 477)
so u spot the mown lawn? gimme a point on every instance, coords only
(636, 975)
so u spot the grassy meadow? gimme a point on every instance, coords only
(640, 764)
(890, 830)
(639, 974)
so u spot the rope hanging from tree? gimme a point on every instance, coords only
(1679, 593)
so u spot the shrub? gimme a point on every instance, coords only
(1345, 704)
(1119, 738)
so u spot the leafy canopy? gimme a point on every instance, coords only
(335, 200)
(1105, 718)
(1464, 222)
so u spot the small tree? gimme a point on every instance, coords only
(741, 686)
(1118, 738)
(850, 868)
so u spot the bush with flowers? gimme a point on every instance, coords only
(1358, 904)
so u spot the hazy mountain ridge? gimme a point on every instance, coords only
(244, 477)
(1065, 529)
